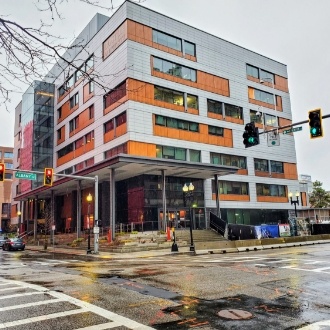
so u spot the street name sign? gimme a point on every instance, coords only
(291, 130)
(25, 175)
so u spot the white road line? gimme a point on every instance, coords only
(317, 326)
(37, 303)
(21, 294)
(41, 318)
(103, 326)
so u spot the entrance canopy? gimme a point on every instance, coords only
(127, 166)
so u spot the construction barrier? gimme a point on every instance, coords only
(249, 245)
(272, 243)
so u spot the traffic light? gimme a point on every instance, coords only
(315, 123)
(2, 172)
(251, 135)
(48, 177)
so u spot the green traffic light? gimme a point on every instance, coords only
(314, 130)
(251, 139)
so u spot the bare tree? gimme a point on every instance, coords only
(28, 53)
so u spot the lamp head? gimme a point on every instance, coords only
(290, 194)
(191, 187)
(185, 188)
(19, 213)
(89, 198)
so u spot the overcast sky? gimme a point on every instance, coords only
(294, 32)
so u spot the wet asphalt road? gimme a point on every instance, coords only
(275, 289)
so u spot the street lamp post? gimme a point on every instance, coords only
(296, 202)
(19, 213)
(187, 195)
(89, 200)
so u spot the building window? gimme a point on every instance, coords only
(271, 120)
(8, 155)
(192, 101)
(64, 151)
(9, 166)
(79, 73)
(121, 149)
(214, 107)
(62, 90)
(168, 95)
(89, 137)
(255, 118)
(262, 96)
(91, 87)
(174, 69)
(115, 95)
(89, 64)
(70, 82)
(267, 76)
(189, 48)
(8, 176)
(195, 156)
(214, 130)
(252, 71)
(74, 100)
(176, 123)
(73, 124)
(261, 165)
(59, 113)
(121, 119)
(18, 154)
(233, 111)
(276, 167)
(271, 190)
(171, 153)
(59, 134)
(79, 143)
(166, 40)
(109, 126)
(228, 160)
(231, 188)
(91, 112)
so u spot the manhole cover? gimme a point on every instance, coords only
(235, 314)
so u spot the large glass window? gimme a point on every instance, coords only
(271, 120)
(166, 40)
(74, 100)
(189, 48)
(267, 76)
(174, 69)
(261, 165)
(9, 165)
(231, 188)
(176, 123)
(233, 111)
(115, 95)
(276, 167)
(171, 152)
(252, 71)
(168, 95)
(89, 63)
(192, 101)
(228, 160)
(263, 96)
(214, 130)
(214, 106)
(8, 154)
(195, 156)
(271, 190)
(256, 118)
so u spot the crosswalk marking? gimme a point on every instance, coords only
(114, 320)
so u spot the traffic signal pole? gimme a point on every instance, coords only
(291, 125)
(96, 229)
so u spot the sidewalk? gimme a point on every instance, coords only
(109, 255)
(200, 248)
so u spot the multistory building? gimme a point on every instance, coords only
(6, 158)
(151, 105)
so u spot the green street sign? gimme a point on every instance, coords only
(25, 175)
(291, 130)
